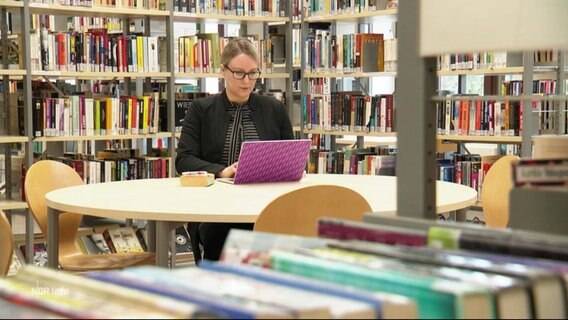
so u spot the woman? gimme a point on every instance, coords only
(215, 127)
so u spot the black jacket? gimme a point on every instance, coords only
(206, 123)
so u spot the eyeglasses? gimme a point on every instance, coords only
(240, 75)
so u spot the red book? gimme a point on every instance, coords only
(340, 229)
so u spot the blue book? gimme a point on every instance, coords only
(222, 308)
(385, 306)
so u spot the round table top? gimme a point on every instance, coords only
(167, 200)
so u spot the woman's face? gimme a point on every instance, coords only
(238, 90)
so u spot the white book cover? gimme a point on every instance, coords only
(153, 49)
(90, 116)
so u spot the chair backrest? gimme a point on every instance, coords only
(297, 212)
(497, 184)
(6, 244)
(45, 176)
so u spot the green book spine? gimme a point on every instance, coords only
(446, 238)
(432, 301)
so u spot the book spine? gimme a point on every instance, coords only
(281, 279)
(431, 304)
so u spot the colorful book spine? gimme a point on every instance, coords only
(435, 298)
(296, 282)
(352, 230)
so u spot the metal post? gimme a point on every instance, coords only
(415, 120)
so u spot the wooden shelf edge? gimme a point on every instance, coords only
(12, 204)
(352, 15)
(103, 137)
(180, 16)
(482, 139)
(13, 139)
(57, 9)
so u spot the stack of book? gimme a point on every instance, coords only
(385, 267)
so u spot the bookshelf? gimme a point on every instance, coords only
(134, 20)
(323, 38)
(255, 25)
(419, 41)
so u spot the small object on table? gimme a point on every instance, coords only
(196, 179)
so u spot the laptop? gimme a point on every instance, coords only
(271, 161)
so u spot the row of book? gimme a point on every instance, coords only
(370, 161)
(489, 60)
(252, 8)
(93, 51)
(109, 167)
(466, 169)
(349, 111)
(472, 61)
(329, 7)
(105, 240)
(200, 53)
(479, 117)
(450, 270)
(361, 52)
(137, 4)
(79, 115)
(385, 267)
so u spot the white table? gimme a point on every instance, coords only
(165, 201)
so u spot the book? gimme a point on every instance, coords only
(339, 229)
(151, 283)
(245, 246)
(129, 237)
(40, 254)
(504, 242)
(435, 298)
(141, 234)
(17, 310)
(196, 179)
(511, 298)
(547, 288)
(539, 239)
(226, 286)
(75, 296)
(95, 244)
(558, 267)
(385, 306)
(372, 52)
(114, 240)
(385, 165)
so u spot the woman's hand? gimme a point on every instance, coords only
(229, 172)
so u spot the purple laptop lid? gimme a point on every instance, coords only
(272, 161)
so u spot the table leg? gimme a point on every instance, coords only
(52, 238)
(461, 215)
(151, 235)
(29, 236)
(162, 248)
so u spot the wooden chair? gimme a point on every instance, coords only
(497, 184)
(6, 245)
(297, 212)
(47, 175)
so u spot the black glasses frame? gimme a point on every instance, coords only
(245, 74)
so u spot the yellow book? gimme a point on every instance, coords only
(140, 52)
(196, 179)
(145, 114)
